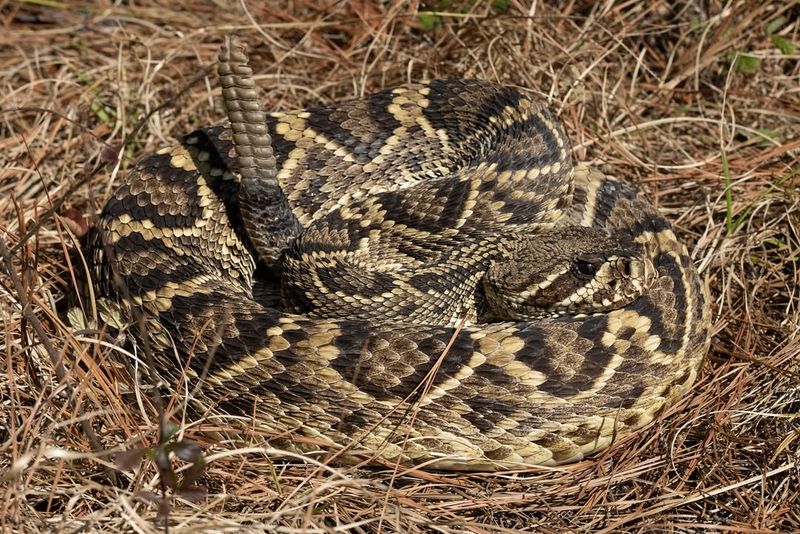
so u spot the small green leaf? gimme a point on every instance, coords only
(784, 45)
(501, 5)
(429, 21)
(775, 242)
(169, 430)
(698, 25)
(103, 112)
(770, 135)
(746, 63)
(775, 24)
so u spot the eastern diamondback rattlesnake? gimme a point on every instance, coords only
(459, 292)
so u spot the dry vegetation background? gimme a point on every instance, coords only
(697, 102)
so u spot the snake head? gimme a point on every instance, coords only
(569, 271)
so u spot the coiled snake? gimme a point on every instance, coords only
(454, 290)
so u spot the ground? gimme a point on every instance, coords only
(695, 102)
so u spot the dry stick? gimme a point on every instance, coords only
(56, 358)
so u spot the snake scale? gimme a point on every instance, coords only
(452, 288)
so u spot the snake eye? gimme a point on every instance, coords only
(585, 267)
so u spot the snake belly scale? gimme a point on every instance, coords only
(419, 193)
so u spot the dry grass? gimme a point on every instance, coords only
(694, 101)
